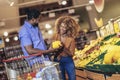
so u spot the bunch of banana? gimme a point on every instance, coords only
(116, 39)
(83, 62)
(112, 40)
(112, 55)
(56, 44)
(84, 59)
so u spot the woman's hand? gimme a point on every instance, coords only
(60, 48)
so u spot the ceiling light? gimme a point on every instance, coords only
(15, 38)
(91, 1)
(12, 3)
(7, 40)
(5, 34)
(64, 2)
(50, 32)
(47, 26)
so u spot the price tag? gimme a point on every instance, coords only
(116, 27)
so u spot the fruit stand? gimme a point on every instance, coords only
(102, 64)
(101, 59)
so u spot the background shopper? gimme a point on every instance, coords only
(81, 40)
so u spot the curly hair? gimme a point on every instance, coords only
(72, 26)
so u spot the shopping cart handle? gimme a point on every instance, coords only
(22, 57)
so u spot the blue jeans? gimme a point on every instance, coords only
(67, 65)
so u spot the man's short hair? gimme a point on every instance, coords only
(33, 13)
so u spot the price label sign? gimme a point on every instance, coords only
(103, 31)
(107, 27)
(111, 27)
(116, 27)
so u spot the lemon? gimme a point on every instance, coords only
(108, 58)
(116, 51)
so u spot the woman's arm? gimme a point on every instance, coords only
(70, 49)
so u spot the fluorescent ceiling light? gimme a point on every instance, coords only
(15, 38)
(7, 40)
(64, 2)
(47, 26)
(50, 32)
(91, 1)
(12, 3)
(5, 34)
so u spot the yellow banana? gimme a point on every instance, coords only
(99, 22)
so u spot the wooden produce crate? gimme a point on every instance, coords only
(113, 77)
(80, 74)
(94, 75)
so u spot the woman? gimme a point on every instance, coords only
(66, 30)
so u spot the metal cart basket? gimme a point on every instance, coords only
(33, 69)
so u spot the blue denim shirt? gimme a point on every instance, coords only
(30, 35)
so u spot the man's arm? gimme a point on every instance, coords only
(32, 50)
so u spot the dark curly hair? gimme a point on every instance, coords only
(72, 26)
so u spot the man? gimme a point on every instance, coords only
(31, 39)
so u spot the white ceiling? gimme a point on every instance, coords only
(25, 2)
(9, 15)
(4, 3)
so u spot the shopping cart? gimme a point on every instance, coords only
(41, 69)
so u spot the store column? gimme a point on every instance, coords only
(92, 13)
